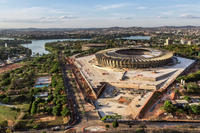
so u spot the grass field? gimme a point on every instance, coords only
(7, 114)
(23, 107)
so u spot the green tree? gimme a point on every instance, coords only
(193, 87)
(187, 98)
(56, 110)
(65, 111)
(34, 107)
(3, 124)
(107, 126)
(115, 124)
(195, 109)
(50, 98)
(169, 107)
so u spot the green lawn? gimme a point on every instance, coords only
(7, 114)
(23, 107)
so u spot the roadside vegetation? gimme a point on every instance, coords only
(17, 89)
(187, 51)
(14, 50)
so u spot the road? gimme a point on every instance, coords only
(72, 103)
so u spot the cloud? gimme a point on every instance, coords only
(113, 6)
(35, 15)
(162, 17)
(126, 18)
(141, 8)
(34, 12)
(47, 19)
(188, 16)
(167, 13)
(56, 18)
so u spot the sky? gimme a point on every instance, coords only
(98, 13)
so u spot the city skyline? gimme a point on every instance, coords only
(97, 14)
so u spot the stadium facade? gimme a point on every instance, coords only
(133, 58)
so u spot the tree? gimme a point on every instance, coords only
(107, 126)
(115, 124)
(50, 98)
(34, 107)
(193, 87)
(195, 109)
(6, 99)
(3, 124)
(49, 110)
(5, 82)
(5, 75)
(187, 98)
(56, 110)
(65, 111)
(169, 107)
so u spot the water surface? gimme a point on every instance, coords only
(38, 46)
(137, 38)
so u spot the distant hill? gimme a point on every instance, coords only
(109, 28)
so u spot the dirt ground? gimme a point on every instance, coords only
(155, 113)
(10, 123)
(47, 118)
(10, 67)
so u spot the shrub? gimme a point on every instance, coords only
(15, 109)
(115, 124)
(193, 87)
(142, 126)
(37, 126)
(56, 110)
(49, 110)
(107, 126)
(139, 130)
(6, 100)
(30, 121)
(34, 107)
(187, 98)
(169, 107)
(65, 111)
(104, 118)
(20, 125)
(195, 109)
(3, 124)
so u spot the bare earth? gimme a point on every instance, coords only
(10, 67)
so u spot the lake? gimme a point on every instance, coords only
(38, 46)
(137, 38)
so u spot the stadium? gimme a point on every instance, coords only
(133, 58)
(122, 80)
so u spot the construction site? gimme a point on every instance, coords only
(125, 91)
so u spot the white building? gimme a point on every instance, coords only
(168, 42)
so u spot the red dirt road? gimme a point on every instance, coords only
(10, 67)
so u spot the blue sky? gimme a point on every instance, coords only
(97, 13)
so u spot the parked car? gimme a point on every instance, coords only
(67, 127)
(55, 128)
